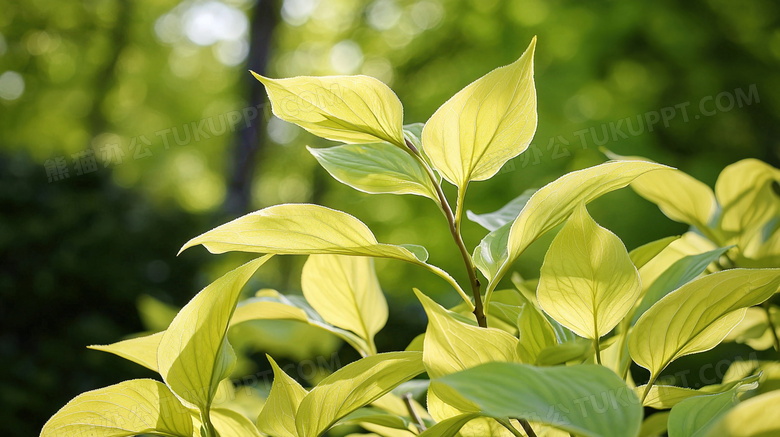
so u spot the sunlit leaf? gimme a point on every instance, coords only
(491, 253)
(451, 345)
(346, 293)
(569, 398)
(680, 197)
(695, 416)
(449, 427)
(655, 425)
(487, 123)
(553, 203)
(140, 350)
(755, 417)
(277, 418)
(131, 407)
(354, 386)
(368, 415)
(697, 316)
(352, 109)
(301, 229)
(587, 282)
(376, 168)
(743, 191)
(573, 350)
(270, 305)
(229, 423)
(754, 330)
(194, 355)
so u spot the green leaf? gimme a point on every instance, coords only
(449, 427)
(587, 282)
(451, 345)
(573, 350)
(270, 305)
(140, 350)
(352, 109)
(413, 132)
(667, 396)
(131, 407)
(346, 293)
(740, 191)
(300, 229)
(376, 169)
(354, 386)
(681, 272)
(554, 202)
(494, 220)
(375, 416)
(643, 254)
(492, 251)
(569, 398)
(697, 316)
(755, 417)
(277, 418)
(487, 123)
(695, 416)
(229, 423)
(655, 425)
(680, 197)
(194, 354)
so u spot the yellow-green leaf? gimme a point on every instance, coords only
(132, 407)
(695, 416)
(140, 350)
(277, 417)
(680, 196)
(554, 202)
(345, 291)
(644, 253)
(449, 427)
(354, 386)
(301, 229)
(755, 417)
(667, 396)
(451, 345)
(270, 305)
(697, 316)
(229, 423)
(587, 281)
(743, 191)
(487, 123)
(194, 355)
(352, 109)
(376, 168)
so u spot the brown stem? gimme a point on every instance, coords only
(527, 428)
(412, 412)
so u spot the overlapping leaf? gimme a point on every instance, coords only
(487, 123)
(698, 315)
(140, 350)
(194, 355)
(587, 282)
(277, 418)
(346, 293)
(352, 109)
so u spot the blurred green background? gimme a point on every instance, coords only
(128, 127)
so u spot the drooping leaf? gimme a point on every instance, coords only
(494, 220)
(354, 386)
(587, 282)
(743, 191)
(487, 123)
(140, 350)
(131, 407)
(697, 316)
(569, 398)
(270, 305)
(643, 254)
(277, 418)
(680, 196)
(194, 354)
(346, 293)
(352, 109)
(667, 396)
(376, 168)
(553, 203)
(681, 272)
(695, 416)
(302, 229)
(451, 345)
(755, 417)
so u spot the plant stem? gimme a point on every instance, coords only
(412, 412)
(210, 430)
(647, 389)
(508, 425)
(598, 349)
(772, 326)
(454, 226)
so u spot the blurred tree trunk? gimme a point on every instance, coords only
(250, 139)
